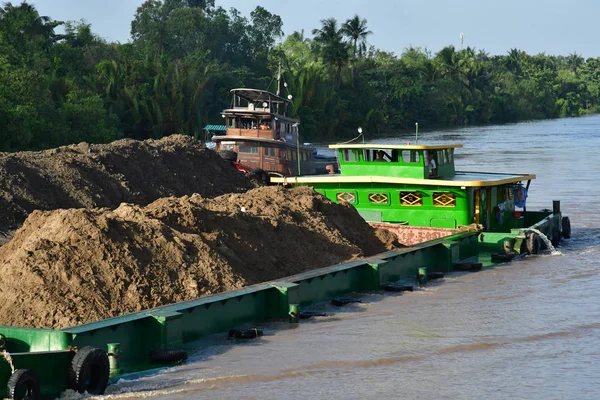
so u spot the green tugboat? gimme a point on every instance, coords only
(416, 192)
(454, 221)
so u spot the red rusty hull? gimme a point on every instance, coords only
(411, 235)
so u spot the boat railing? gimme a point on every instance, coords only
(252, 132)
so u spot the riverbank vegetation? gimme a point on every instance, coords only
(184, 56)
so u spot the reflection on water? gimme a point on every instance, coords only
(526, 330)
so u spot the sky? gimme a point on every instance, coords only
(556, 27)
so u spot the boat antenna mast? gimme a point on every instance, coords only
(279, 80)
(278, 85)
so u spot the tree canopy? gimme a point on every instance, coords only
(184, 56)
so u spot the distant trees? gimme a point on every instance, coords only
(356, 30)
(185, 56)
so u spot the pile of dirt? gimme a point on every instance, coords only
(67, 267)
(87, 176)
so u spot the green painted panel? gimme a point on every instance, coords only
(395, 212)
(443, 223)
(52, 368)
(30, 339)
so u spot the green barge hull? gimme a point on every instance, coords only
(131, 339)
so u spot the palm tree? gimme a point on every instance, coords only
(575, 62)
(356, 30)
(334, 49)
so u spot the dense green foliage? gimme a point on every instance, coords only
(175, 75)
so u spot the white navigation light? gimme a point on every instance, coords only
(265, 104)
(359, 129)
(289, 96)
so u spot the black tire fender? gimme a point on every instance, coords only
(431, 276)
(251, 333)
(228, 155)
(395, 287)
(503, 257)
(555, 236)
(310, 314)
(23, 384)
(168, 356)
(89, 371)
(342, 301)
(566, 228)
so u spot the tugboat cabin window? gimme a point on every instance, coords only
(410, 156)
(346, 197)
(411, 199)
(247, 148)
(448, 156)
(441, 199)
(379, 198)
(350, 155)
(443, 157)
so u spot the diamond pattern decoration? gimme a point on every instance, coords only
(444, 200)
(378, 198)
(411, 199)
(346, 197)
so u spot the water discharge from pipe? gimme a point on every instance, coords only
(546, 241)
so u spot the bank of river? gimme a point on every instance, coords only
(526, 330)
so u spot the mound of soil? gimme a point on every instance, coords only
(86, 176)
(67, 267)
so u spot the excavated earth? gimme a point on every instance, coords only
(87, 176)
(119, 228)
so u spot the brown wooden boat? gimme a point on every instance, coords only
(264, 137)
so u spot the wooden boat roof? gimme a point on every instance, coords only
(461, 179)
(275, 142)
(395, 146)
(258, 95)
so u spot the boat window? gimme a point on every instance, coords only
(411, 199)
(294, 155)
(441, 199)
(248, 123)
(247, 148)
(346, 197)
(227, 145)
(231, 122)
(449, 156)
(379, 198)
(350, 155)
(410, 156)
(444, 157)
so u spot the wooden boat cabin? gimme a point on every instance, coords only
(259, 130)
(399, 184)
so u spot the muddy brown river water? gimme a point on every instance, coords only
(525, 330)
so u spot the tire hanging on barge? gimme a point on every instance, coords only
(533, 243)
(24, 384)
(566, 228)
(168, 356)
(89, 371)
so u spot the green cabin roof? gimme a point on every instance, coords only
(407, 161)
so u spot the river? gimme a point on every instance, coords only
(525, 330)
